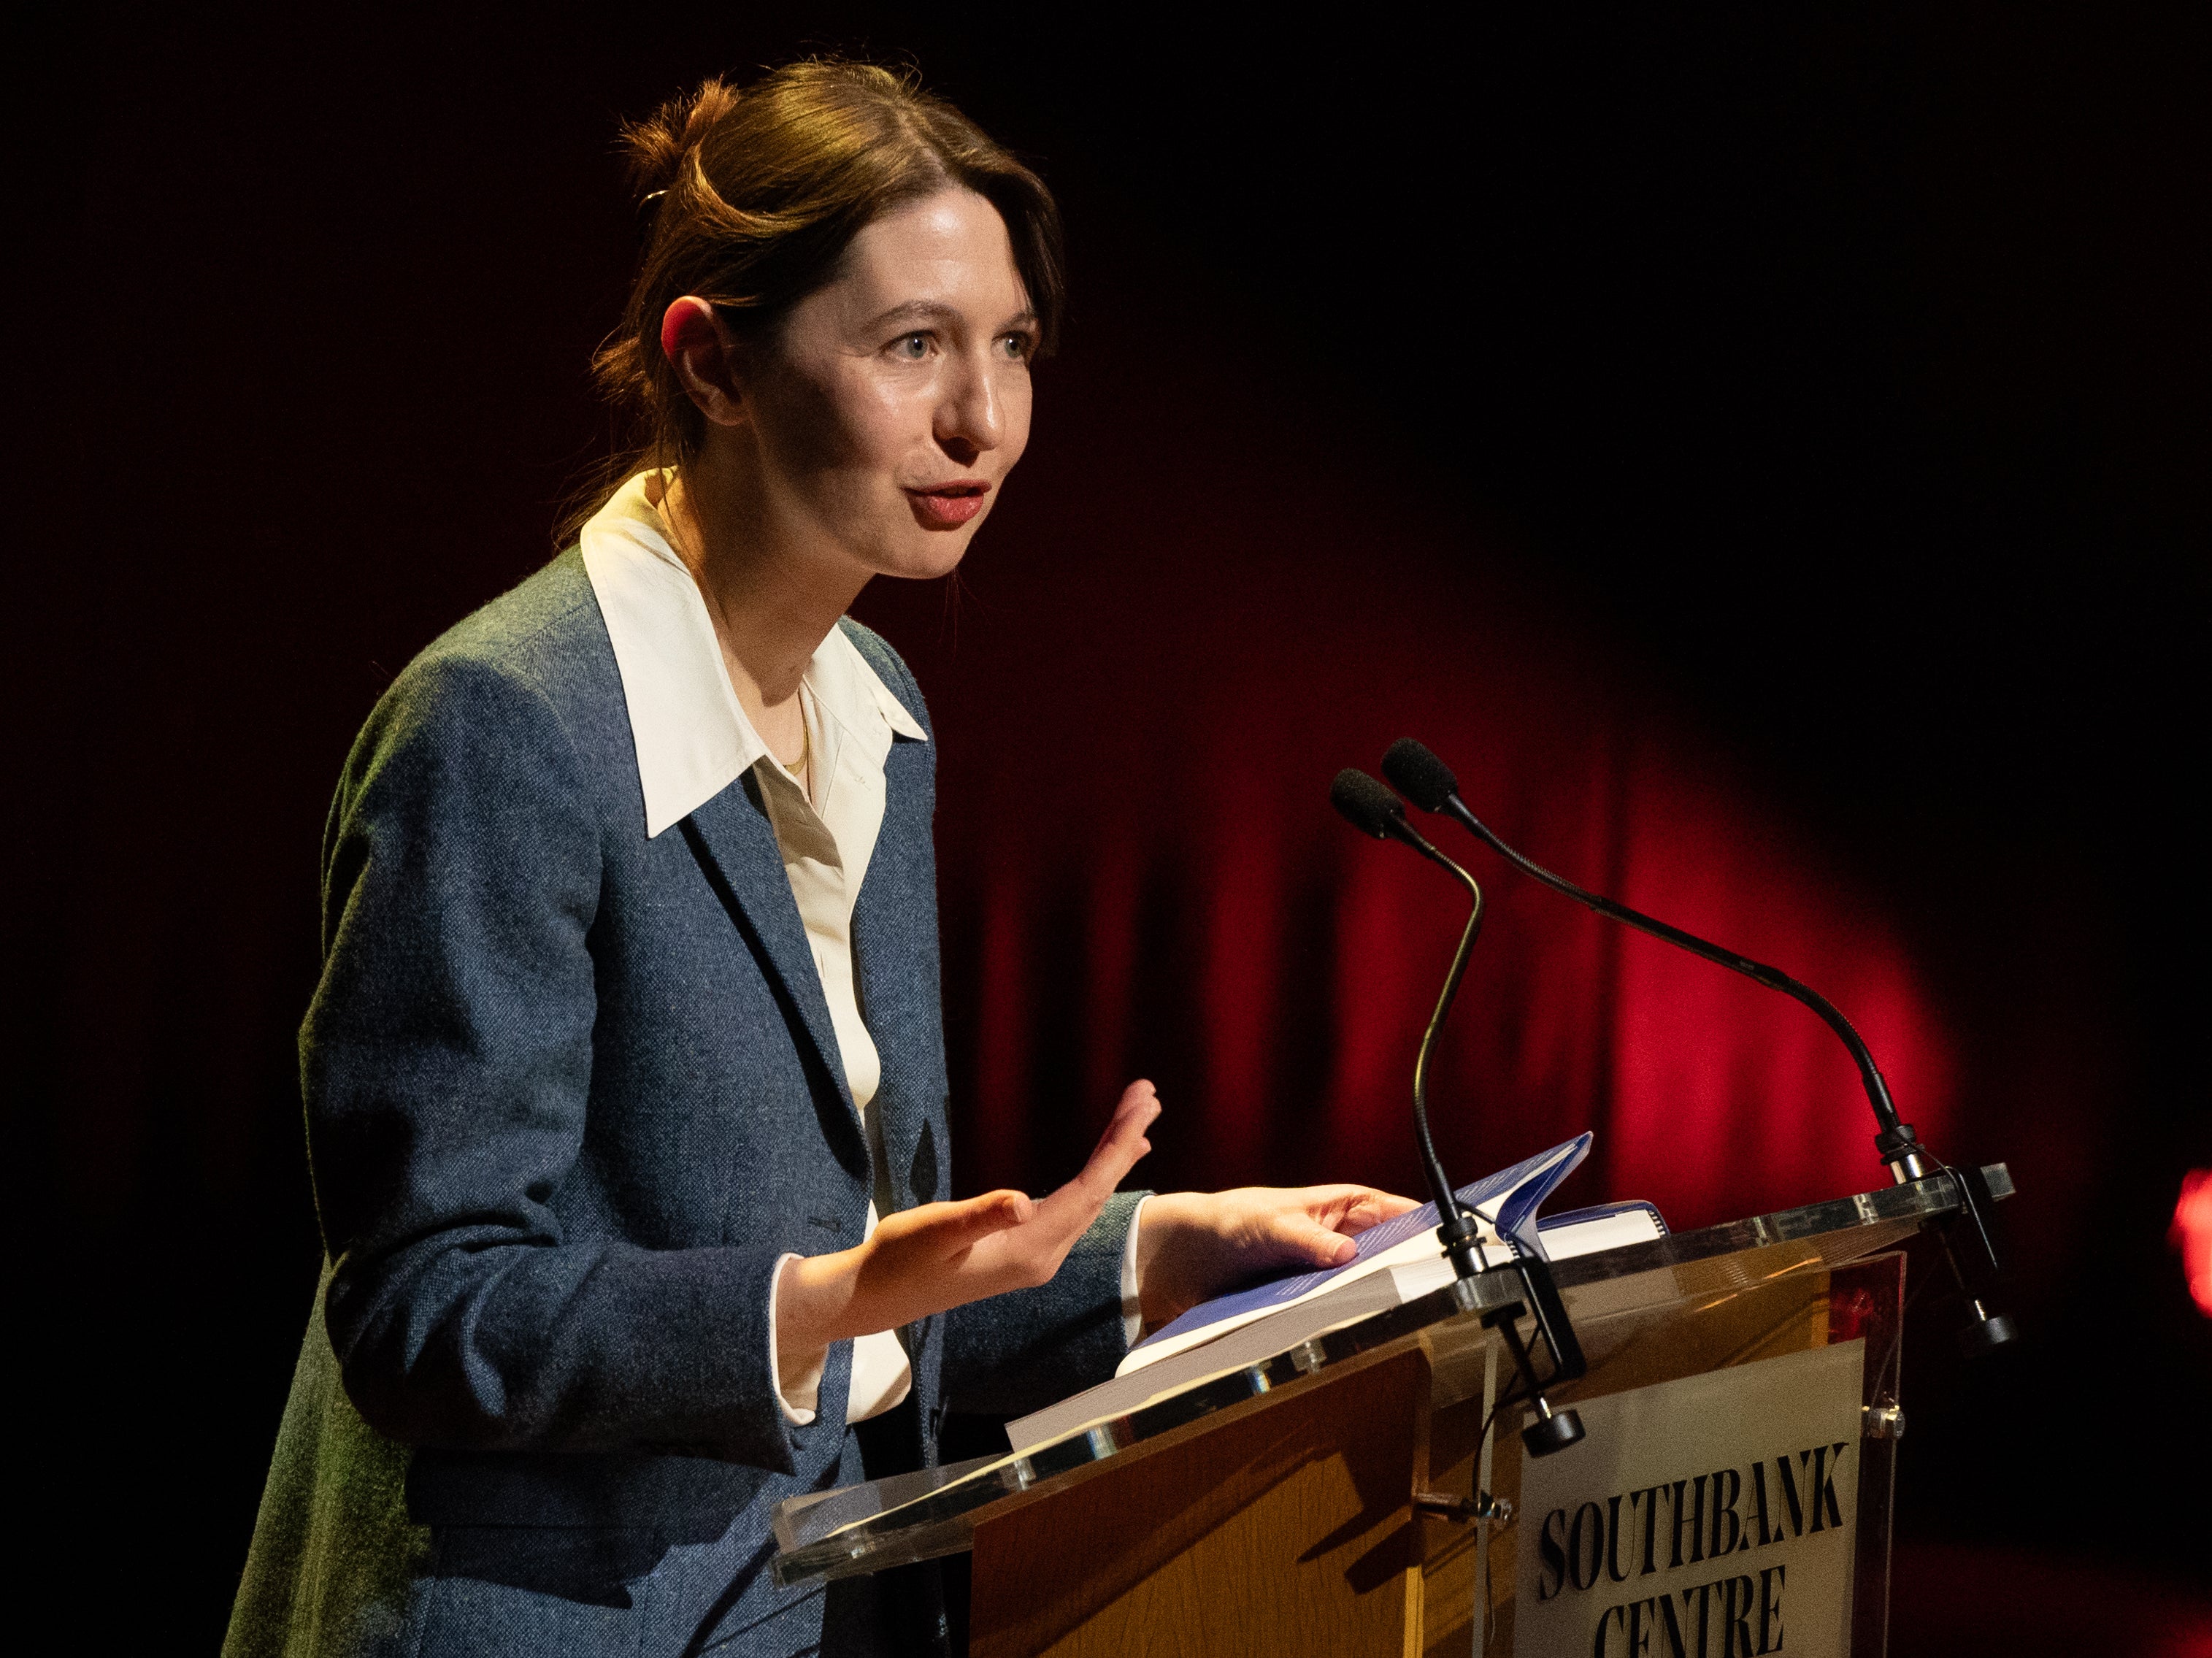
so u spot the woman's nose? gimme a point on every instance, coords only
(970, 421)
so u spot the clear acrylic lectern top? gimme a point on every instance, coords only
(1613, 1296)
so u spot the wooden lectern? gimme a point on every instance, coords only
(1731, 1495)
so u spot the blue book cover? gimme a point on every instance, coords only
(1508, 1200)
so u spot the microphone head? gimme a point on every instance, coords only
(1421, 776)
(1365, 803)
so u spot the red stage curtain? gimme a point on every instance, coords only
(1172, 633)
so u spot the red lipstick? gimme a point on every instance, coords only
(948, 506)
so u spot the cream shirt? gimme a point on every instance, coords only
(693, 741)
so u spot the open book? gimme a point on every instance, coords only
(1399, 1260)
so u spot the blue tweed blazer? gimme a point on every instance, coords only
(570, 1094)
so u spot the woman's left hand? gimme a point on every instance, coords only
(1192, 1245)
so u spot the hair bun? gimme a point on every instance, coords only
(659, 146)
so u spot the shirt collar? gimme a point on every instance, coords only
(691, 735)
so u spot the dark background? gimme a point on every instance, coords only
(1837, 380)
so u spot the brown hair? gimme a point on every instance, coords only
(753, 196)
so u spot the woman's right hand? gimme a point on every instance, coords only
(942, 1255)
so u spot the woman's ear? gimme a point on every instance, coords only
(700, 347)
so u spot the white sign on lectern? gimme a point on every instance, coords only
(1713, 1518)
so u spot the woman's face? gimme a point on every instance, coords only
(895, 400)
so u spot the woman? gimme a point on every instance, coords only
(625, 1077)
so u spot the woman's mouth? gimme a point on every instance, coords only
(948, 506)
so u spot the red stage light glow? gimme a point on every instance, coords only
(2192, 1235)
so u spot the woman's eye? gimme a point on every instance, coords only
(1016, 345)
(913, 347)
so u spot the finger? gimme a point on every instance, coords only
(1136, 1097)
(1123, 1142)
(952, 1227)
(1076, 1205)
(1371, 1208)
(1353, 1209)
(1301, 1238)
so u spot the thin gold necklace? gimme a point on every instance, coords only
(802, 768)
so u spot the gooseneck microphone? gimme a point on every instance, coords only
(1429, 784)
(1373, 810)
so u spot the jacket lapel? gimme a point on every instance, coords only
(896, 950)
(736, 845)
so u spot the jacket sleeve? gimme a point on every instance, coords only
(1020, 1352)
(446, 1066)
